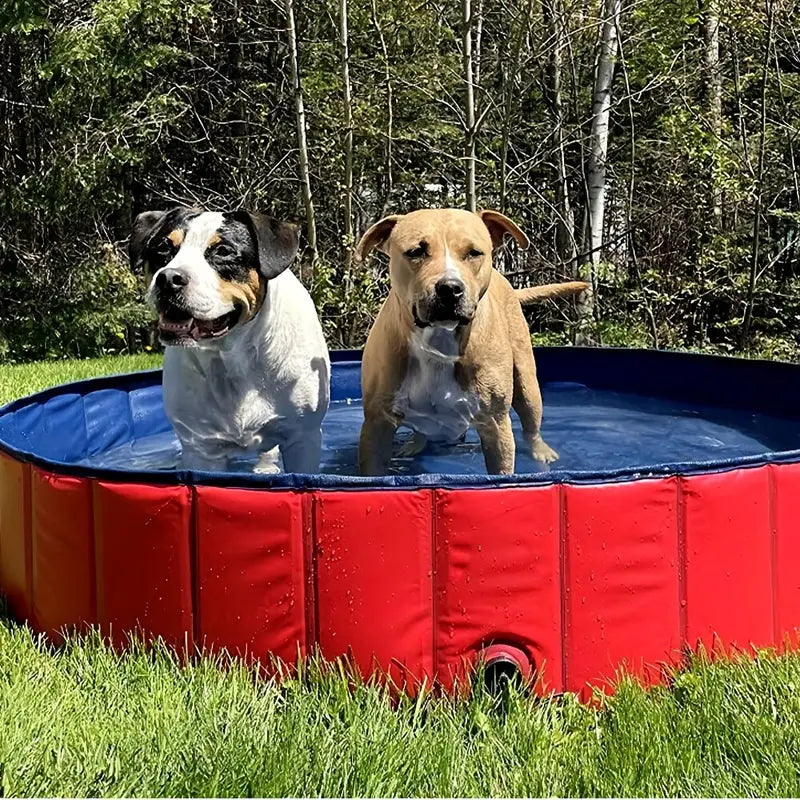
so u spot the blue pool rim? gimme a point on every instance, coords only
(757, 386)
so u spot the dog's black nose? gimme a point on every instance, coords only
(449, 289)
(171, 279)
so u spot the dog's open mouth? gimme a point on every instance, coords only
(176, 326)
(442, 319)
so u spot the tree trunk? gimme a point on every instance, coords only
(632, 260)
(707, 234)
(300, 122)
(565, 228)
(347, 109)
(510, 75)
(469, 111)
(235, 48)
(759, 182)
(598, 153)
(713, 94)
(478, 42)
(389, 185)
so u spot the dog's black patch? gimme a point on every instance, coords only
(276, 242)
(150, 243)
(236, 253)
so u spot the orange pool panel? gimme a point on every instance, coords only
(63, 553)
(16, 551)
(142, 556)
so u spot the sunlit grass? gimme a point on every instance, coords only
(85, 721)
(20, 379)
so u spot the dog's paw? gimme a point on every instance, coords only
(413, 447)
(542, 451)
(267, 469)
(268, 463)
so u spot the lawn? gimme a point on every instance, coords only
(84, 721)
(17, 380)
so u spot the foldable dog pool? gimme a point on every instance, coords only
(671, 520)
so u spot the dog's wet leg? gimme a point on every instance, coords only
(497, 441)
(375, 444)
(303, 453)
(527, 402)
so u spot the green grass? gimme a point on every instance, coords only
(83, 721)
(17, 380)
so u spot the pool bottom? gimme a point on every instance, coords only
(593, 430)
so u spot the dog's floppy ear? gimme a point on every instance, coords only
(499, 225)
(143, 228)
(376, 236)
(277, 241)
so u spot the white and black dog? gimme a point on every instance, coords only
(246, 368)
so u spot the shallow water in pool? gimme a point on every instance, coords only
(591, 429)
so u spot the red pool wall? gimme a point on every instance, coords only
(584, 578)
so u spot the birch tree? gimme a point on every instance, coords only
(469, 109)
(300, 124)
(555, 23)
(510, 69)
(478, 42)
(388, 174)
(755, 253)
(713, 91)
(347, 112)
(597, 156)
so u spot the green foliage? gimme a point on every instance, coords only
(109, 107)
(631, 333)
(21, 17)
(93, 310)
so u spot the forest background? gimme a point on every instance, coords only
(648, 146)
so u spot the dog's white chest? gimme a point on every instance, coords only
(214, 403)
(430, 400)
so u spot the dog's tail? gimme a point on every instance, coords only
(535, 294)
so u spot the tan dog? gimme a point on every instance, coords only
(450, 347)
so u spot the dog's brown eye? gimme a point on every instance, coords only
(416, 252)
(474, 253)
(163, 249)
(223, 250)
